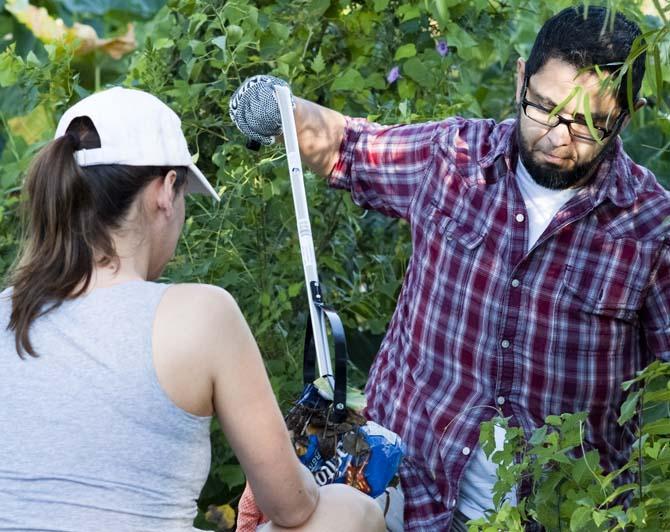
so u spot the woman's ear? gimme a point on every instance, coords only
(166, 193)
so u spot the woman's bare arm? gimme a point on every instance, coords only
(208, 355)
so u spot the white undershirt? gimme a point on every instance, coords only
(542, 203)
(476, 489)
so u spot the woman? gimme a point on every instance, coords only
(109, 380)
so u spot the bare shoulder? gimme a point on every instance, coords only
(193, 325)
(199, 308)
(197, 294)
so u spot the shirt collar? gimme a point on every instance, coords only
(502, 142)
(612, 180)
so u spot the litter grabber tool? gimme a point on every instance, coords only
(330, 436)
(316, 335)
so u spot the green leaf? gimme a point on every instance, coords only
(406, 50)
(637, 516)
(561, 458)
(318, 64)
(220, 42)
(318, 7)
(237, 12)
(574, 93)
(662, 426)
(350, 80)
(415, 69)
(32, 59)
(585, 467)
(408, 12)
(466, 45)
(380, 5)
(377, 81)
(406, 91)
(553, 420)
(265, 299)
(629, 407)
(629, 90)
(10, 67)
(163, 43)
(580, 519)
(295, 289)
(538, 435)
(589, 118)
(280, 31)
(443, 11)
(599, 517)
(141, 8)
(486, 438)
(232, 475)
(619, 491)
(656, 396)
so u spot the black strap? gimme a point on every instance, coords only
(341, 355)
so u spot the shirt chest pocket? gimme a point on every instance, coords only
(451, 262)
(604, 293)
(467, 235)
(462, 221)
(614, 288)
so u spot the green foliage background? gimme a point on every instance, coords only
(194, 53)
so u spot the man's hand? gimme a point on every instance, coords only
(254, 109)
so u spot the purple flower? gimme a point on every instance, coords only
(442, 47)
(393, 74)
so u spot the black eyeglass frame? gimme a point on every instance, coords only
(560, 120)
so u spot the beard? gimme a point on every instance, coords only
(552, 176)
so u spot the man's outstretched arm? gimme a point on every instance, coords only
(381, 166)
(320, 133)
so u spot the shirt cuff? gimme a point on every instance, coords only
(340, 175)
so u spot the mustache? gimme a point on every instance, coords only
(561, 154)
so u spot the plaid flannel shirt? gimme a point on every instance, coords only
(482, 323)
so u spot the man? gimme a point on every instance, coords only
(540, 274)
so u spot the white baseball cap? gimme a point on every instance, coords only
(135, 129)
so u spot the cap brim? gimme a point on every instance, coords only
(198, 184)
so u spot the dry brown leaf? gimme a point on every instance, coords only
(52, 30)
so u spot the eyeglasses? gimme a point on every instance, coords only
(577, 127)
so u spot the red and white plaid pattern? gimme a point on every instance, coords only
(249, 515)
(481, 324)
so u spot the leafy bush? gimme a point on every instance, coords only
(570, 491)
(388, 60)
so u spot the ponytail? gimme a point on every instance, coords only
(67, 217)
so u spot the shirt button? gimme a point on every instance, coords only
(515, 282)
(505, 344)
(466, 451)
(520, 217)
(500, 400)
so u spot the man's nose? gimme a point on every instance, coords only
(559, 135)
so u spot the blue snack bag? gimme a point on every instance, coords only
(356, 452)
(386, 452)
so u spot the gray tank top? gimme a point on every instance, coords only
(88, 438)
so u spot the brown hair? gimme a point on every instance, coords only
(68, 213)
